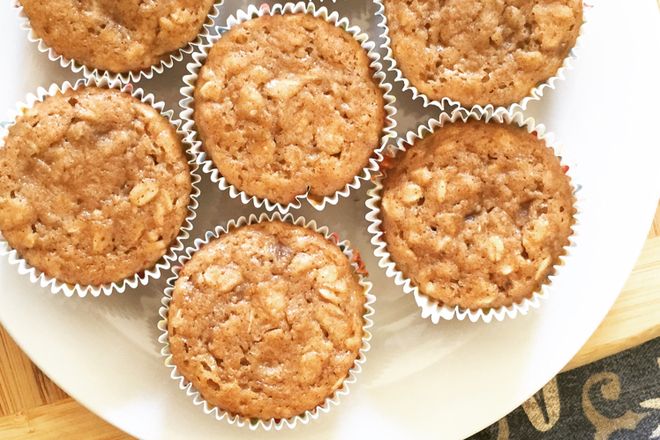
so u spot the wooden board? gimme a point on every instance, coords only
(63, 419)
(32, 407)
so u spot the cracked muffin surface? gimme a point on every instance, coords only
(288, 103)
(266, 320)
(481, 51)
(117, 35)
(94, 186)
(477, 214)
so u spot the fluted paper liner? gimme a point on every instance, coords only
(446, 103)
(142, 277)
(331, 400)
(430, 307)
(132, 76)
(199, 57)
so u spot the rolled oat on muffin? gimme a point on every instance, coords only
(94, 186)
(481, 52)
(288, 103)
(117, 35)
(477, 214)
(267, 320)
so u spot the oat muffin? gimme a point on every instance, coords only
(481, 51)
(117, 35)
(266, 321)
(477, 214)
(287, 103)
(94, 186)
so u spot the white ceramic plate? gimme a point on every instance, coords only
(452, 379)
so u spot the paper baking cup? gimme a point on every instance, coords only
(332, 400)
(430, 307)
(446, 104)
(188, 104)
(142, 277)
(133, 76)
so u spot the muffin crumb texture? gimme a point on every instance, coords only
(266, 321)
(94, 186)
(117, 35)
(288, 103)
(481, 51)
(477, 214)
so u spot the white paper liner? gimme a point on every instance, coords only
(446, 104)
(330, 401)
(430, 307)
(133, 76)
(142, 277)
(199, 57)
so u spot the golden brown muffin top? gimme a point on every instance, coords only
(477, 214)
(288, 102)
(266, 321)
(94, 186)
(481, 51)
(117, 35)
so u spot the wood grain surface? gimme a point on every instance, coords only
(32, 407)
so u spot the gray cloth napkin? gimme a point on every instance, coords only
(617, 398)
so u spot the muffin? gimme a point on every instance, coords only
(117, 35)
(267, 320)
(481, 52)
(288, 103)
(477, 214)
(94, 186)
